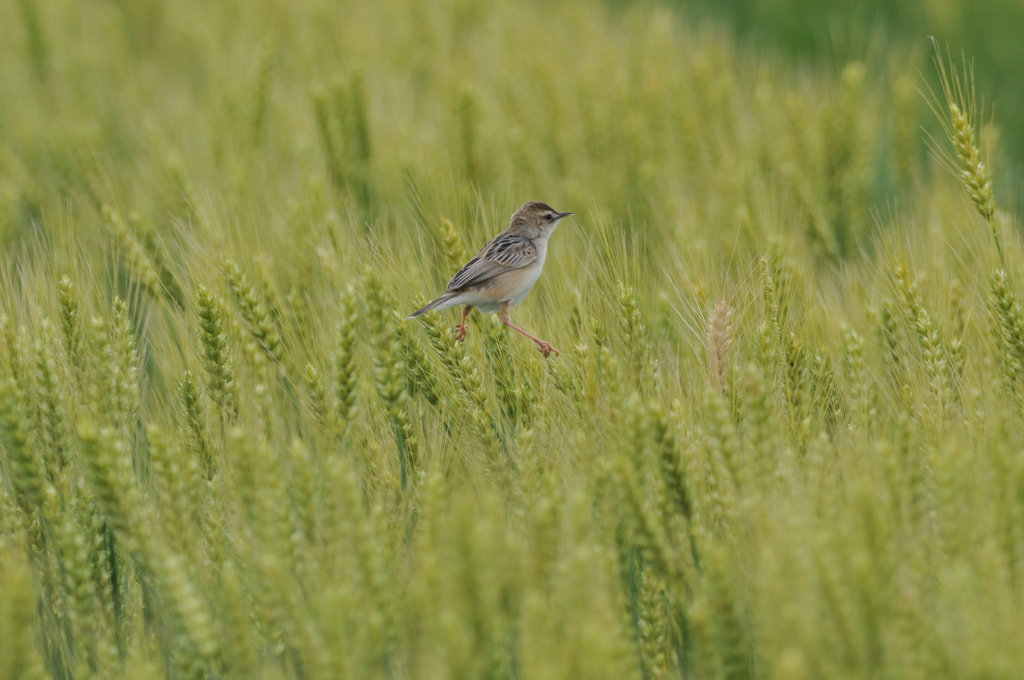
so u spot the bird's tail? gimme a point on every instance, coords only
(433, 305)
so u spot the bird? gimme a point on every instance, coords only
(503, 272)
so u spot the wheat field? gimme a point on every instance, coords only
(783, 438)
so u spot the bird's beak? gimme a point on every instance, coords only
(561, 215)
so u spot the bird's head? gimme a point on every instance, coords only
(535, 219)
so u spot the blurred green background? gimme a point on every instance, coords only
(990, 33)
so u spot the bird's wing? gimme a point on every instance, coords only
(504, 253)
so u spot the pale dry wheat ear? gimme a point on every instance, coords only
(719, 342)
(958, 113)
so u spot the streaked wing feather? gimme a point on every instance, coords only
(505, 253)
(512, 250)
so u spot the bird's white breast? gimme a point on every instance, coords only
(535, 271)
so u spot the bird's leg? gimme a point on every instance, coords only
(546, 348)
(462, 328)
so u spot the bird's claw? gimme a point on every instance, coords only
(546, 348)
(460, 332)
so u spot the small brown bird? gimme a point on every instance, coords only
(504, 270)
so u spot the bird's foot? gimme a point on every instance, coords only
(546, 348)
(460, 332)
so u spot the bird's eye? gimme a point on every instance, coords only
(549, 217)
